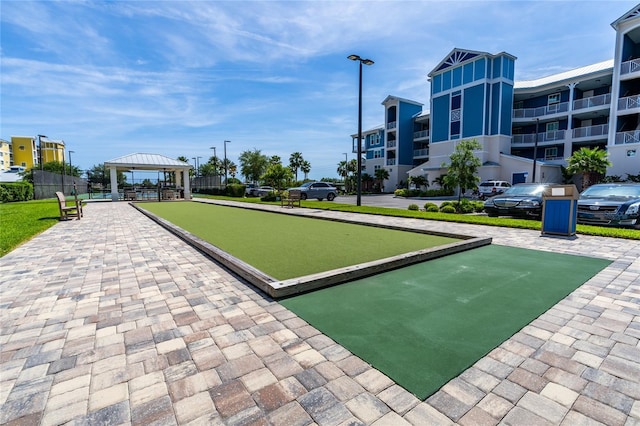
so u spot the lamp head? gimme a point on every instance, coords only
(353, 57)
(367, 61)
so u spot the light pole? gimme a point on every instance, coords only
(346, 171)
(359, 171)
(225, 162)
(535, 152)
(71, 166)
(215, 164)
(40, 149)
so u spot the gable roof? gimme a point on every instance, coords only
(146, 161)
(634, 13)
(458, 56)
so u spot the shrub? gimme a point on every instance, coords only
(413, 207)
(437, 193)
(429, 204)
(446, 203)
(16, 191)
(448, 209)
(235, 190)
(271, 196)
(478, 206)
(432, 208)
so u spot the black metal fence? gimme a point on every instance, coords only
(46, 184)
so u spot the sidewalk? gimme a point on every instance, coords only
(113, 320)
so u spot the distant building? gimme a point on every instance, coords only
(5, 155)
(474, 95)
(28, 151)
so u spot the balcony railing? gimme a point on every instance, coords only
(555, 135)
(391, 144)
(391, 125)
(391, 161)
(541, 111)
(630, 66)
(629, 102)
(628, 137)
(590, 131)
(421, 152)
(593, 101)
(421, 134)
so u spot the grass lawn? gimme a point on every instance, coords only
(286, 246)
(21, 221)
(424, 324)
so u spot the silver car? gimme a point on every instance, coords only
(612, 204)
(319, 190)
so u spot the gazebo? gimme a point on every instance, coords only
(149, 162)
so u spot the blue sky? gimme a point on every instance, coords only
(176, 77)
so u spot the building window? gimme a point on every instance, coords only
(456, 112)
(553, 126)
(377, 153)
(21, 147)
(631, 153)
(553, 98)
(550, 153)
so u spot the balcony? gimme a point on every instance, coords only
(391, 125)
(421, 152)
(627, 137)
(541, 111)
(630, 66)
(591, 131)
(594, 101)
(553, 136)
(391, 144)
(421, 134)
(391, 161)
(630, 102)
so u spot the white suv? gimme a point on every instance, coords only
(489, 188)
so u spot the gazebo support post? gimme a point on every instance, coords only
(114, 183)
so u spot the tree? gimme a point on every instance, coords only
(590, 163)
(100, 176)
(305, 167)
(382, 174)
(295, 162)
(275, 159)
(463, 166)
(342, 170)
(253, 165)
(277, 176)
(233, 169)
(419, 181)
(367, 181)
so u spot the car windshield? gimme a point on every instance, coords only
(306, 185)
(487, 184)
(525, 190)
(612, 192)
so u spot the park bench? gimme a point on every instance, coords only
(130, 195)
(294, 196)
(69, 209)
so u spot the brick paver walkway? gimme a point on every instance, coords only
(113, 320)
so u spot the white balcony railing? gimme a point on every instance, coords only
(541, 111)
(555, 135)
(391, 144)
(421, 134)
(421, 152)
(630, 66)
(391, 125)
(628, 137)
(391, 161)
(629, 102)
(591, 131)
(593, 101)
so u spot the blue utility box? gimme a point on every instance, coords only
(560, 210)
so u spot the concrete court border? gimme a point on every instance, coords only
(289, 287)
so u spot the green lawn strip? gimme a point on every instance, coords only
(20, 221)
(424, 324)
(286, 246)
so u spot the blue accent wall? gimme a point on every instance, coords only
(497, 67)
(446, 80)
(436, 84)
(440, 119)
(457, 76)
(506, 108)
(472, 111)
(480, 69)
(467, 76)
(404, 143)
(495, 108)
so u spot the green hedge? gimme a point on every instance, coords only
(16, 191)
(428, 193)
(232, 190)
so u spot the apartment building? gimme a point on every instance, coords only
(521, 125)
(29, 151)
(5, 155)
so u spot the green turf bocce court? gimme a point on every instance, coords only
(421, 324)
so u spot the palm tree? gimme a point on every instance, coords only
(381, 175)
(295, 161)
(589, 162)
(367, 181)
(419, 181)
(305, 167)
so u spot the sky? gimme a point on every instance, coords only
(177, 78)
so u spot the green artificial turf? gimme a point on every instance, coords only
(286, 246)
(424, 324)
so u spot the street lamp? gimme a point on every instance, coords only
(535, 152)
(71, 166)
(40, 149)
(215, 165)
(225, 162)
(359, 171)
(346, 171)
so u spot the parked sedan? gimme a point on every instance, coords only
(612, 204)
(523, 199)
(317, 190)
(263, 190)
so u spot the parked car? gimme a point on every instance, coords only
(319, 190)
(523, 199)
(249, 189)
(263, 190)
(612, 204)
(489, 188)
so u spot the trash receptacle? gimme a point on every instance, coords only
(560, 210)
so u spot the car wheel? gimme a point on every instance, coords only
(303, 196)
(492, 215)
(320, 199)
(331, 197)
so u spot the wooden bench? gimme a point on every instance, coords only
(68, 210)
(294, 196)
(130, 195)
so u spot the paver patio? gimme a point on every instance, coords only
(112, 319)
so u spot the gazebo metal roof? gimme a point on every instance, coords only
(144, 161)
